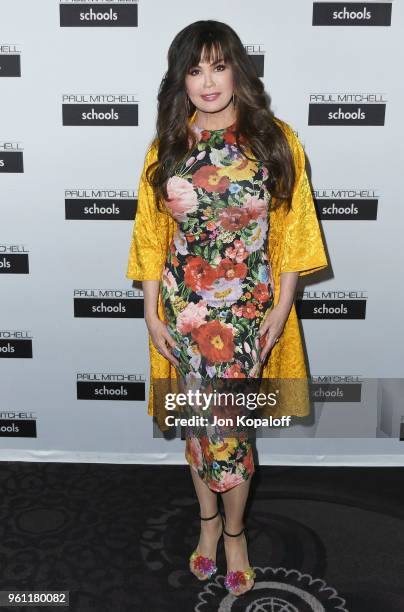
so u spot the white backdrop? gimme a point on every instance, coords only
(59, 259)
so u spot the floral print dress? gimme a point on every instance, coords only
(217, 285)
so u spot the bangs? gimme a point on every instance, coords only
(207, 49)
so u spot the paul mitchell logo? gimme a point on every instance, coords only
(15, 343)
(108, 386)
(10, 60)
(99, 109)
(351, 13)
(115, 13)
(257, 56)
(346, 109)
(100, 204)
(331, 304)
(335, 388)
(11, 159)
(17, 424)
(350, 204)
(108, 303)
(14, 259)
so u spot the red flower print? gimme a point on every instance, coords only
(205, 135)
(208, 178)
(198, 274)
(229, 270)
(235, 371)
(249, 311)
(234, 218)
(229, 137)
(261, 292)
(215, 341)
(204, 441)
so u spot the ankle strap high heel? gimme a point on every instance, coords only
(204, 565)
(233, 580)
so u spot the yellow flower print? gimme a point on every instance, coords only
(223, 449)
(242, 170)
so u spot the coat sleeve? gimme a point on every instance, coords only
(303, 249)
(146, 256)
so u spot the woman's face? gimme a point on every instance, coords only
(210, 85)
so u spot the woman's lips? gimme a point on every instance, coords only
(210, 97)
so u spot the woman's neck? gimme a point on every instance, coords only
(215, 121)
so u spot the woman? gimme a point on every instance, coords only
(224, 226)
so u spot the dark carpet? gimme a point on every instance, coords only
(118, 537)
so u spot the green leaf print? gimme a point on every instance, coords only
(214, 254)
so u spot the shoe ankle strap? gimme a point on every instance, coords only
(233, 535)
(209, 517)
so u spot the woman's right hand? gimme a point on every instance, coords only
(161, 338)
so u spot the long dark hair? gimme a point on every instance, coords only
(212, 40)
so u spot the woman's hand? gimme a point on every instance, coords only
(274, 321)
(161, 338)
(271, 328)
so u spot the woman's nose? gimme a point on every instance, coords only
(209, 80)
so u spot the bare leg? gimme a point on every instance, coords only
(210, 530)
(234, 501)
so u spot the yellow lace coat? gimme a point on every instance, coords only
(295, 245)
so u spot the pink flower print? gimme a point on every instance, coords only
(237, 310)
(256, 207)
(228, 481)
(191, 317)
(182, 197)
(169, 281)
(238, 252)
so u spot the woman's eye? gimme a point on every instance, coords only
(196, 71)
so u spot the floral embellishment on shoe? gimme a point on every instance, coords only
(202, 564)
(234, 580)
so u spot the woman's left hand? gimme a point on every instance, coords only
(271, 328)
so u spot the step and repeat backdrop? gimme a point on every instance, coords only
(78, 84)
